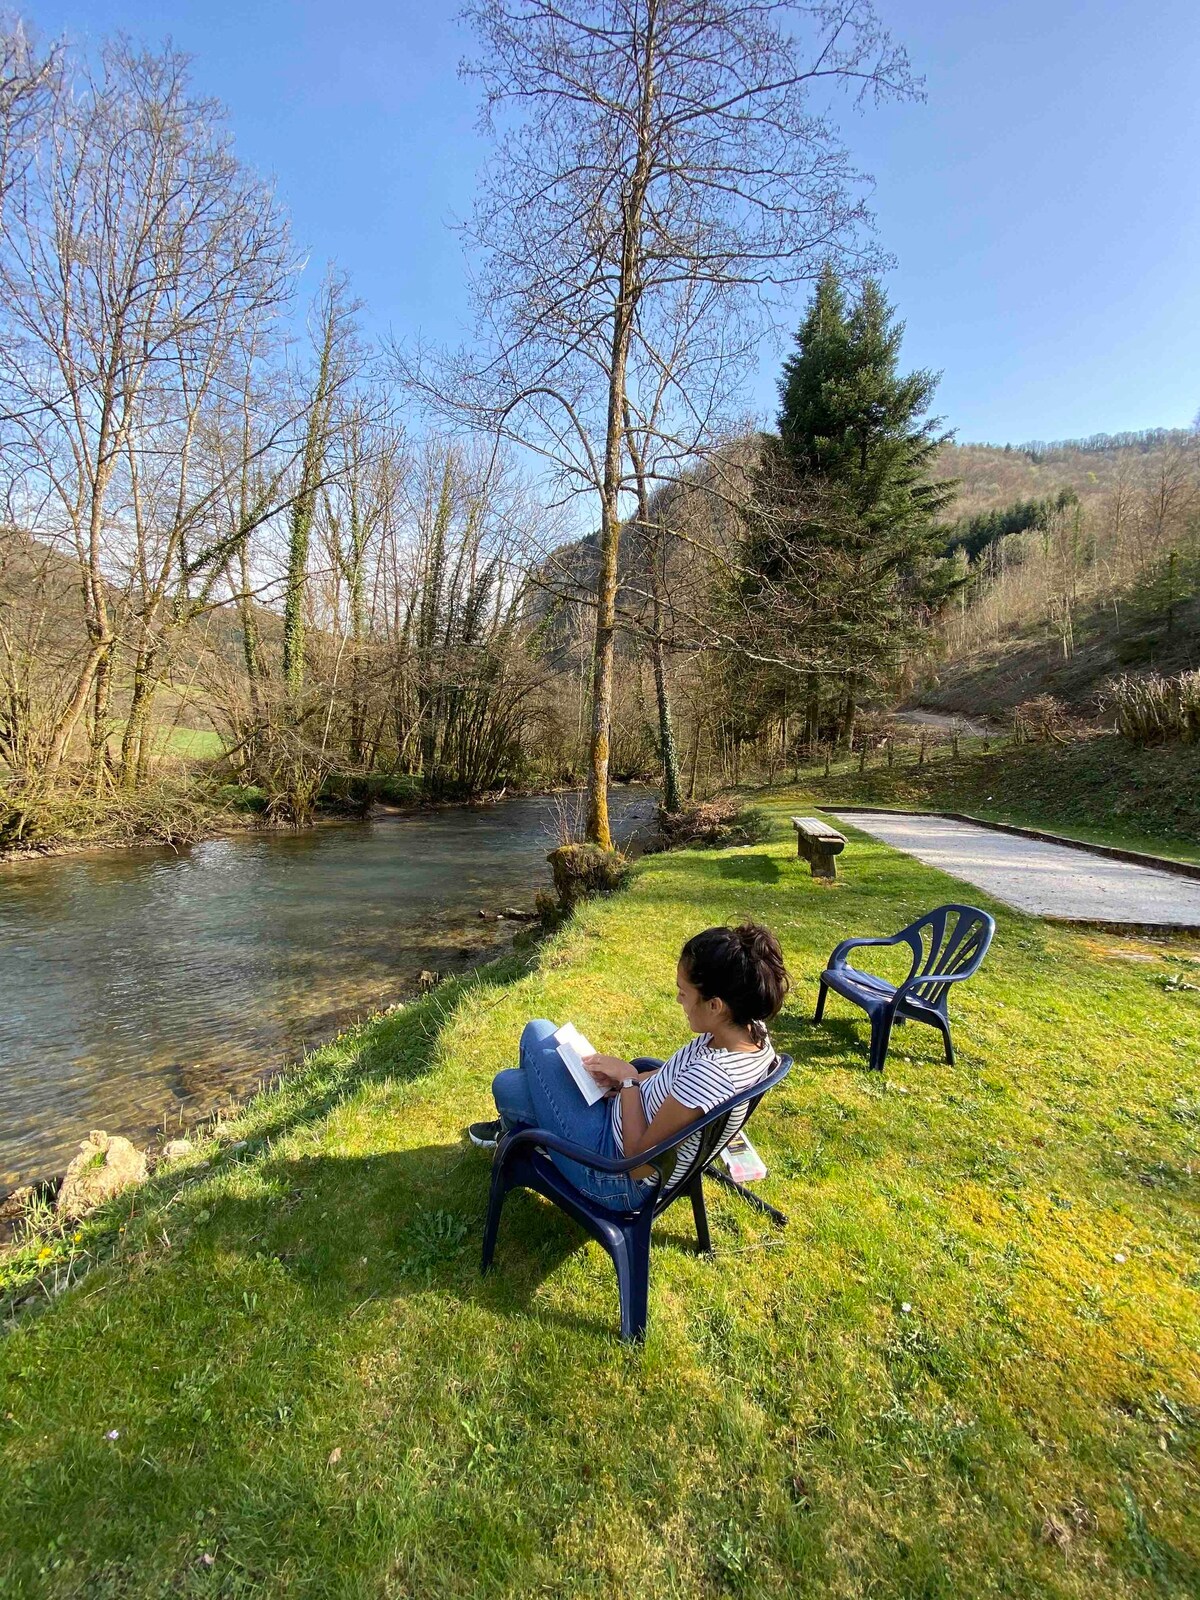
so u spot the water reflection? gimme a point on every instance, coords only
(135, 984)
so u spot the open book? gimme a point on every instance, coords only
(572, 1047)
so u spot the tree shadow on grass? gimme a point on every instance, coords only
(386, 1223)
(748, 869)
(334, 1306)
(352, 1229)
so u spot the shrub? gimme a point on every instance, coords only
(582, 870)
(161, 813)
(241, 797)
(1042, 719)
(1153, 709)
(714, 822)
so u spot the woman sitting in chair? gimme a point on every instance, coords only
(730, 982)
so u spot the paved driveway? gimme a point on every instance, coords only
(1050, 880)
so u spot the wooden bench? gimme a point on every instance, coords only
(818, 844)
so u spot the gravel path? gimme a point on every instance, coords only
(1051, 880)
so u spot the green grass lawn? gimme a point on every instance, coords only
(969, 1367)
(187, 744)
(194, 744)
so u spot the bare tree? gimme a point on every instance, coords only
(339, 359)
(359, 509)
(27, 84)
(138, 259)
(643, 146)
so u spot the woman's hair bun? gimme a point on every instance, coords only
(742, 966)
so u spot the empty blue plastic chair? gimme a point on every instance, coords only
(947, 946)
(522, 1162)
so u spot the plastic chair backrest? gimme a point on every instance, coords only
(717, 1134)
(949, 941)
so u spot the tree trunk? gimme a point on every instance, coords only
(358, 629)
(597, 830)
(695, 758)
(133, 740)
(812, 714)
(73, 710)
(624, 311)
(103, 694)
(304, 507)
(849, 711)
(672, 797)
(652, 534)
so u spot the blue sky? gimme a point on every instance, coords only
(1043, 204)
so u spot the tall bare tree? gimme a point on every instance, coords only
(28, 79)
(642, 146)
(338, 358)
(138, 256)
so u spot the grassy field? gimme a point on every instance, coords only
(970, 1366)
(1101, 789)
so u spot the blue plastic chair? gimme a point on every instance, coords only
(522, 1162)
(947, 946)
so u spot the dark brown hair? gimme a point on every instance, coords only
(742, 966)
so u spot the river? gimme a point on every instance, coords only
(139, 987)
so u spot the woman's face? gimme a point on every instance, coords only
(701, 1014)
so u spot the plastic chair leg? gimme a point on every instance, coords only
(881, 1037)
(700, 1213)
(821, 993)
(756, 1200)
(945, 1027)
(492, 1226)
(631, 1257)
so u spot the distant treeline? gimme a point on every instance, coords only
(1098, 444)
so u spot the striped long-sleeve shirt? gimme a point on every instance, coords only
(701, 1075)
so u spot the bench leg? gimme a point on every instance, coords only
(824, 864)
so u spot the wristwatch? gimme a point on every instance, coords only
(629, 1083)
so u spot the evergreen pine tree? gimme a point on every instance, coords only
(849, 504)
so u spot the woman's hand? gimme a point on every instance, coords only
(609, 1071)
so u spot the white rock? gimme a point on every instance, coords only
(104, 1167)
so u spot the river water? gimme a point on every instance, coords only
(141, 986)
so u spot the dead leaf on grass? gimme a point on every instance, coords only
(1056, 1532)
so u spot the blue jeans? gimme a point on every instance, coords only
(541, 1093)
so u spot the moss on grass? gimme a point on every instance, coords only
(970, 1366)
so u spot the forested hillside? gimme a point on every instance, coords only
(992, 476)
(1081, 560)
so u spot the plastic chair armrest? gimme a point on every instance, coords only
(542, 1138)
(838, 958)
